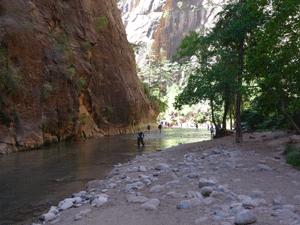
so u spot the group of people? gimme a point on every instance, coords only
(140, 139)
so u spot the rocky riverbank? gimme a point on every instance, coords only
(214, 182)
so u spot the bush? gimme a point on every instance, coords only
(274, 122)
(251, 118)
(293, 157)
(289, 148)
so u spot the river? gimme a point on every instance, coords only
(32, 181)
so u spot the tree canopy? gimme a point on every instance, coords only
(253, 48)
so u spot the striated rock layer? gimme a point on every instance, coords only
(164, 23)
(66, 71)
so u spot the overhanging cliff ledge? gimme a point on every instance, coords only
(67, 71)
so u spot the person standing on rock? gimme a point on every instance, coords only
(140, 138)
(212, 131)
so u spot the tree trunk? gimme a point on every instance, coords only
(239, 131)
(226, 108)
(238, 126)
(213, 117)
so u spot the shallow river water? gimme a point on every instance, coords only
(32, 181)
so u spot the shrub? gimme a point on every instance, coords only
(293, 157)
(274, 122)
(251, 118)
(100, 22)
(288, 149)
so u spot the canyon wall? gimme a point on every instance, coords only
(164, 23)
(66, 72)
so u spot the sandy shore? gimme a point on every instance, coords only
(214, 182)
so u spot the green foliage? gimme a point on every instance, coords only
(179, 4)
(80, 82)
(137, 46)
(274, 122)
(166, 14)
(10, 77)
(83, 118)
(289, 148)
(254, 43)
(86, 47)
(64, 4)
(109, 111)
(100, 22)
(293, 156)
(46, 90)
(252, 118)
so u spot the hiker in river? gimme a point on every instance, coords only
(212, 131)
(148, 127)
(196, 126)
(159, 128)
(140, 138)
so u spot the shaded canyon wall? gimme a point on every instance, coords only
(66, 72)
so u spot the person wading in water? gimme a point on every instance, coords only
(140, 138)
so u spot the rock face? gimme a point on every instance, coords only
(67, 71)
(165, 22)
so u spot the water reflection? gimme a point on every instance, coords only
(30, 182)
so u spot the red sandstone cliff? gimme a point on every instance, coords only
(66, 71)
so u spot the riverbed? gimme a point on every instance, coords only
(32, 181)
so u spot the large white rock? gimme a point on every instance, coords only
(101, 200)
(66, 204)
(47, 217)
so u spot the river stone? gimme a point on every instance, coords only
(263, 167)
(142, 169)
(47, 217)
(249, 203)
(162, 166)
(206, 191)
(66, 204)
(122, 176)
(134, 186)
(192, 175)
(205, 182)
(157, 188)
(101, 200)
(84, 197)
(245, 217)
(256, 194)
(147, 182)
(136, 199)
(151, 204)
(194, 202)
(78, 200)
(285, 214)
(279, 200)
(183, 205)
(77, 217)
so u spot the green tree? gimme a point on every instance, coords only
(274, 60)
